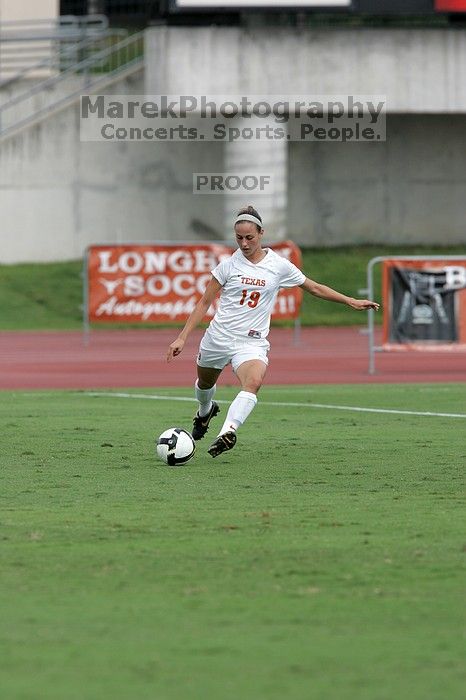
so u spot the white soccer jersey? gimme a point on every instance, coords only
(249, 293)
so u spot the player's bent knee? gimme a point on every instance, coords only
(252, 385)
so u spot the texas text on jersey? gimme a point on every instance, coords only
(249, 292)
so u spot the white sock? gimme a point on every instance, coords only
(204, 396)
(239, 410)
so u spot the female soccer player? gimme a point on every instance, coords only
(249, 282)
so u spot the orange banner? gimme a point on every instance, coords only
(424, 304)
(163, 283)
(450, 5)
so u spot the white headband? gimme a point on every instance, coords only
(249, 217)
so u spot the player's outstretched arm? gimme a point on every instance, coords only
(329, 294)
(195, 317)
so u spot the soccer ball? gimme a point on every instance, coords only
(175, 446)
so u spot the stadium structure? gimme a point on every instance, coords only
(60, 192)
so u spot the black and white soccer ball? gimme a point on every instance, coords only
(175, 446)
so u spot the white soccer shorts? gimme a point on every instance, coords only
(217, 355)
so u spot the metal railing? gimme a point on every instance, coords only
(25, 43)
(100, 61)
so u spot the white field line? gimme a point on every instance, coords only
(285, 404)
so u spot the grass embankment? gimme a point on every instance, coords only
(49, 295)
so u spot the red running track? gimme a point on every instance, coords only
(136, 358)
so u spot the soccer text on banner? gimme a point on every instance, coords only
(163, 283)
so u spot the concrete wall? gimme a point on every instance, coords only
(58, 195)
(28, 9)
(15, 55)
(411, 189)
(420, 70)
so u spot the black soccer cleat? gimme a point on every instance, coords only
(201, 423)
(223, 443)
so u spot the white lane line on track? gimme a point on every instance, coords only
(289, 404)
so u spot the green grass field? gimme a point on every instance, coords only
(319, 559)
(49, 296)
